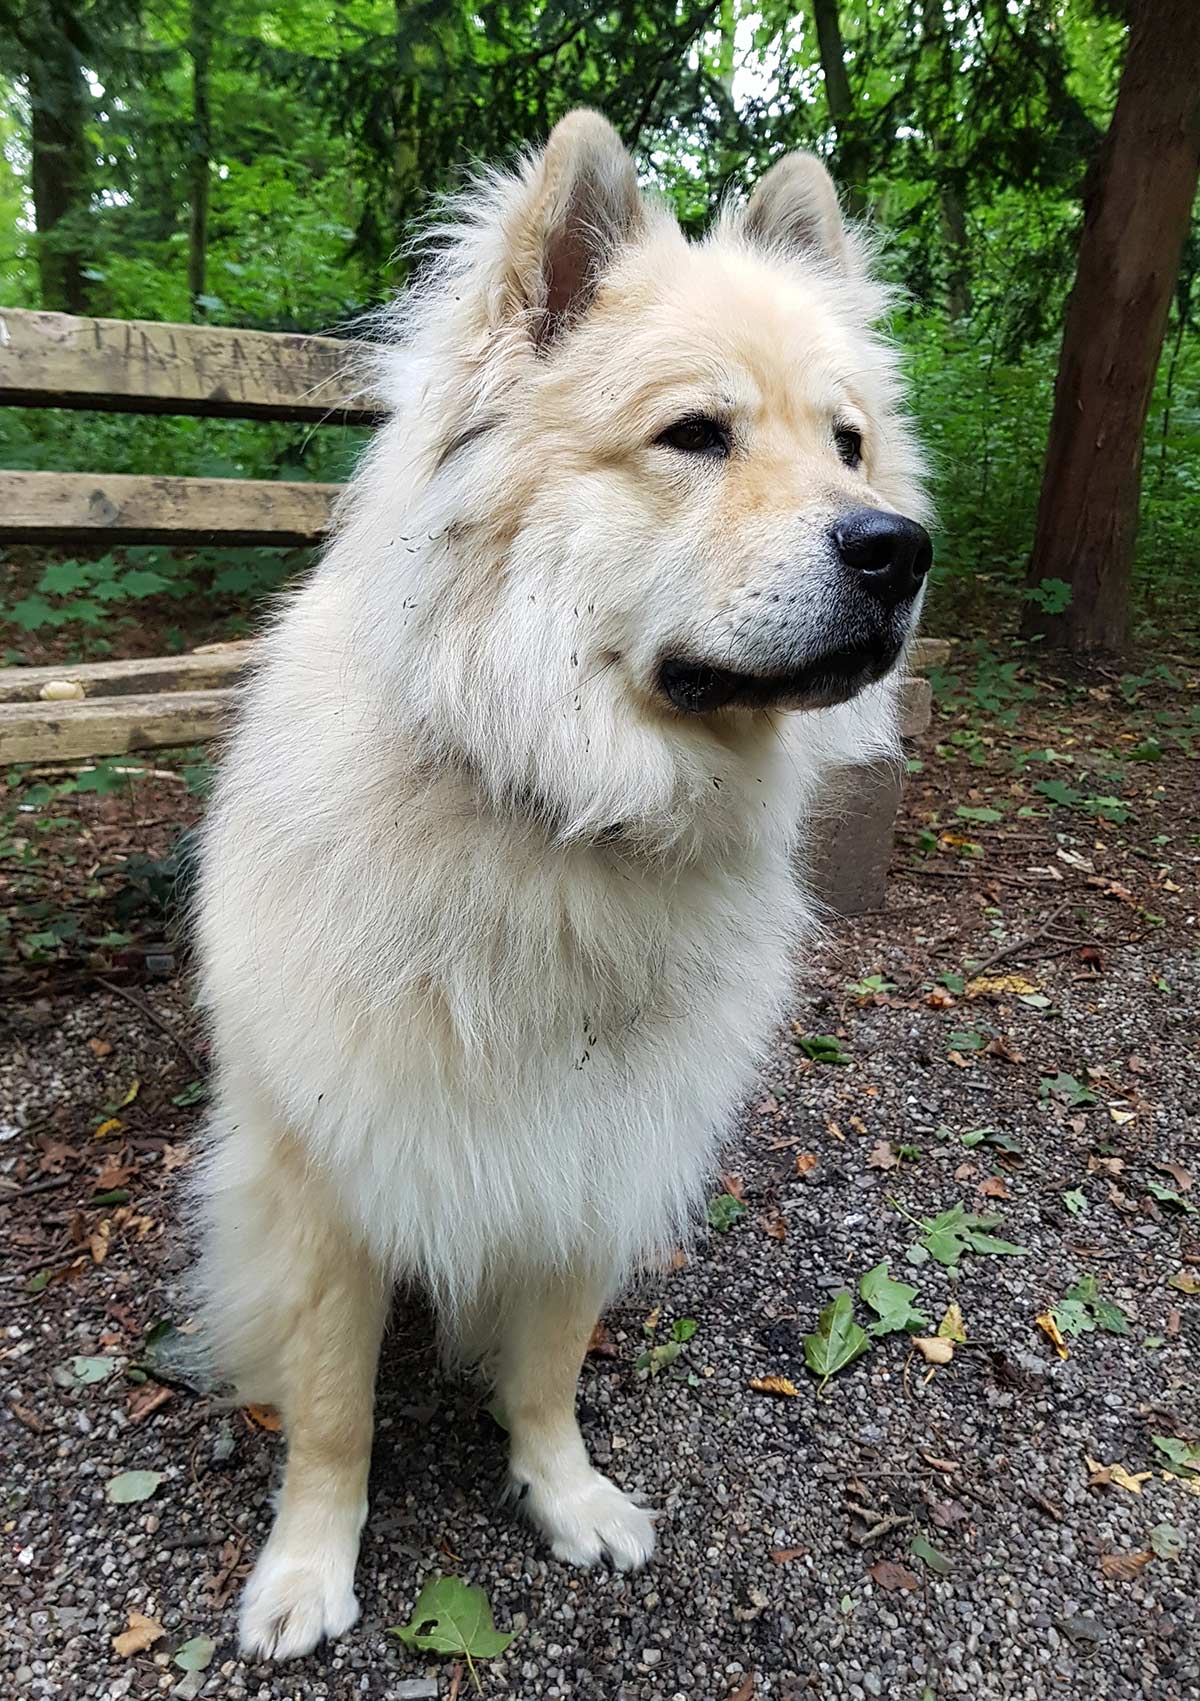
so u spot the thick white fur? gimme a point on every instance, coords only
(491, 936)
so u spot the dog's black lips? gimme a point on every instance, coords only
(696, 688)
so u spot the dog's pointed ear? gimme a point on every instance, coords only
(795, 207)
(582, 205)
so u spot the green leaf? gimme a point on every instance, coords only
(115, 1196)
(195, 1654)
(724, 1211)
(194, 1093)
(929, 1555)
(131, 1486)
(453, 1617)
(824, 1048)
(1083, 1309)
(658, 1358)
(63, 577)
(1076, 1201)
(684, 1328)
(1183, 1457)
(989, 1245)
(85, 1370)
(1168, 1196)
(838, 1340)
(1067, 1089)
(891, 1301)
(965, 1039)
(966, 813)
(1166, 1541)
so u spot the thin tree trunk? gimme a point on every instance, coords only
(58, 153)
(1136, 211)
(200, 158)
(840, 100)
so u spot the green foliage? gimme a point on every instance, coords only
(453, 1617)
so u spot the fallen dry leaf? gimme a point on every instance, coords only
(266, 1417)
(1186, 1281)
(949, 1466)
(143, 1633)
(98, 1241)
(775, 1226)
(99, 1047)
(934, 1349)
(744, 1690)
(958, 1060)
(1178, 1174)
(1105, 1166)
(1124, 1567)
(174, 1157)
(780, 1385)
(601, 1344)
(806, 1161)
(1004, 1049)
(1001, 986)
(111, 1125)
(1104, 1476)
(995, 1187)
(881, 1156)
(733, 1186)
(889, 1575)
(1049, 1327)
(785, 1555)
(939, 998)
(147, 1397)
(952, 1327)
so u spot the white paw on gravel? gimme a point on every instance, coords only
(587, 1518)
(294, 1601)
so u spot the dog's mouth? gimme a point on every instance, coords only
(695, 688)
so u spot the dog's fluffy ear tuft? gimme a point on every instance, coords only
(795, 207)
(582, 205)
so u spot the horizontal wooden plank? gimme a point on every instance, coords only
(111, 726)
(45, 507)
(202, 670)
(138, 366)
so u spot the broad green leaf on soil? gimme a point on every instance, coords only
(658, 1358)
(1183, 1457)
(993, 1136)
(1168, 1196)
(132, 1486)
(965, 1039)
(1166, 1541)
(838, 1340)
(195, 1654)
(79, 1371)
(891, 1301)
(948, 1236)
(824, 1048)
(929, 1555)
(684, 1328)
(453, 1617)
(1067, 1089)
(1076, 1201)
(1083, 1309)
(724, 1211)
(181, 1356)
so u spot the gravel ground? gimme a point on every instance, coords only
(774, 1508)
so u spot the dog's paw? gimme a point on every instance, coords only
(586, 1518)
(293, 1601)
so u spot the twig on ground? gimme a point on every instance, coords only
(163, 1026)
(1021, 944)
(45, 1186)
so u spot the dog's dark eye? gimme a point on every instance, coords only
(849, 445)
(697, 435)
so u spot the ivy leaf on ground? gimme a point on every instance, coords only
(929, 1555)
(1067, 1090)
(838, 1340)
(1166, 1541)
(129, 1487)
(1183, 1457)
(78, 1372)
(891, 1301)
(824, 1048)
(195, 1654)
(724, 1211)
(1167, 1196)
(1083, 1309)
(453, 1617)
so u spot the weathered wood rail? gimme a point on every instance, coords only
(73, 713)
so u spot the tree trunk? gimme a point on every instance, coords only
(58, 158)
(200, 157)
(1137, 205)
(840, 101)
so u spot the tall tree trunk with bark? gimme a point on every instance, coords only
(1137, 205)
(849, 164)
(200, 157)
(58, 153)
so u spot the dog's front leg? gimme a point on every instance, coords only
(321, 1315)
(545, 1327)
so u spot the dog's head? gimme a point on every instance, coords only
(668, 485)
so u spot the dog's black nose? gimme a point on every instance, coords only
(892, 554)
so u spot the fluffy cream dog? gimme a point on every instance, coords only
(498, 894)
